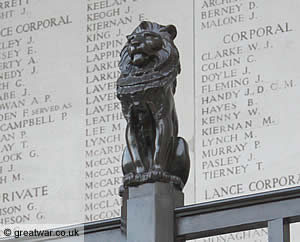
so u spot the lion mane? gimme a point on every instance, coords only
(162, 65)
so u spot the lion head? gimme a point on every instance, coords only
(149, 55)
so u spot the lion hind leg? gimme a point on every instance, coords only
(180, 163)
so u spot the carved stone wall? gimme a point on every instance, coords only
(61, 126)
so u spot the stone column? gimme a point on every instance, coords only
(150, 212)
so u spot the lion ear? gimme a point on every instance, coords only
(171, 29)
(144, 25)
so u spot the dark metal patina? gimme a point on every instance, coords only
(149, 66)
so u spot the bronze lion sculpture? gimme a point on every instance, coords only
(149, 66)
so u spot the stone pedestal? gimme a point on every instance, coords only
(150, 212)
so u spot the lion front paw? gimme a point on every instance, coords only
(128, 178)
(156, 173)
